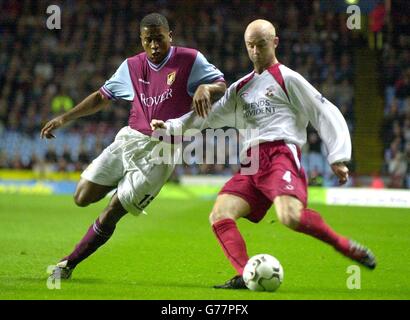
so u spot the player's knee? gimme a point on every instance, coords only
(288, 210)
(81, 200)
(289, 215)
(228, 207)
(217, 215)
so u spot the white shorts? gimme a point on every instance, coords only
(128, 163)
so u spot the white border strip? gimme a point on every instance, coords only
(366, 197)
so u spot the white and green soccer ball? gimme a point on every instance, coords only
(263, 272)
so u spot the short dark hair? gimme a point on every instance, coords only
(154, 20)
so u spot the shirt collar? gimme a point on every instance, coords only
(159, 66)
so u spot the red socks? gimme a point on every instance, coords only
(232, 243)
(311, 223)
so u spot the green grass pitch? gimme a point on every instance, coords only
(172, 253)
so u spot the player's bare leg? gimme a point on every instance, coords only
(227, 209)
(291, 212)
(98, 234)
(88, 192)
(288, 210)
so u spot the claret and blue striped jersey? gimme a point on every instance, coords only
(162, 91)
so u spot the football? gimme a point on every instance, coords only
(263, 272)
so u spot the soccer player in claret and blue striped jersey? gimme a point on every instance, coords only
(163, 82)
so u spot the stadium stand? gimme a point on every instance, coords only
(395, 130)
(44, 72)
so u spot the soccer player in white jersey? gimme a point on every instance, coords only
(163, 82)
(279, 103)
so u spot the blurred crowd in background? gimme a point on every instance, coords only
(395, 131)
(46, 72)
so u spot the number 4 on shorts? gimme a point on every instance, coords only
(287, 176)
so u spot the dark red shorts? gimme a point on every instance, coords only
(280, 173)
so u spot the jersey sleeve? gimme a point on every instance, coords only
(119, 86)
(202, 72)
(323, 115)
(222, 115)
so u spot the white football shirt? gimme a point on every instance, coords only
(279, 102)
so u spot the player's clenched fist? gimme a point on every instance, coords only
(47, 131)
(341, 171)
(158, 124)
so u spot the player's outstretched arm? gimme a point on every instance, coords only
(92, 104)
(205, 95)
(222, 115)
(179, 125)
